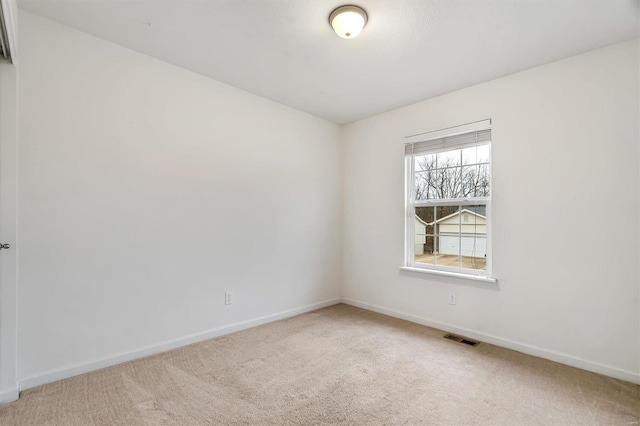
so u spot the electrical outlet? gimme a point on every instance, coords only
(227, 298)
(452, 298)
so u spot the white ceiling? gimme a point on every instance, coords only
(410, 50)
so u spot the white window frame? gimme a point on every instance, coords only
(411, 204)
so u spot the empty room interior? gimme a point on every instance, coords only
(271, 212)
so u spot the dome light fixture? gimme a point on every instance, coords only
(348, 21)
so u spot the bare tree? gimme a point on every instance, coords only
(447, 178)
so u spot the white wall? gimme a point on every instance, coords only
(136, 181)
(8, 210)
(8, 229)
(565, 157)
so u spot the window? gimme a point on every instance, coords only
(448, 200)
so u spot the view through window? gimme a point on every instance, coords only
(448, 202)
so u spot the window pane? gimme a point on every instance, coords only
(484, 152)
(474, 249)
(425, 177)
(475, 181)
(424, 249)
(426, 217)
(475, 155)
(473, 237)
(483, 188)
(425, 162)
(448, 159)
(469, 181)
(448, 183)
(447, 232)
(443, 212)
(424, 239)
(469, 155)
(425, 185)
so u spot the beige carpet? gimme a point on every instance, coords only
(339, 365)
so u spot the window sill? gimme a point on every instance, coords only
(450, 274)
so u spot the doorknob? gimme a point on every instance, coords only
(4, 246)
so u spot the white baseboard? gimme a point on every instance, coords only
(9, 395)
(505, 343)
(97, 364)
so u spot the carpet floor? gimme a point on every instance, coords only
(338, 365)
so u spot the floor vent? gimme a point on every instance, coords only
(461, 339)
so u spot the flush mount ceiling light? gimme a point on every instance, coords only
(348, 21)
